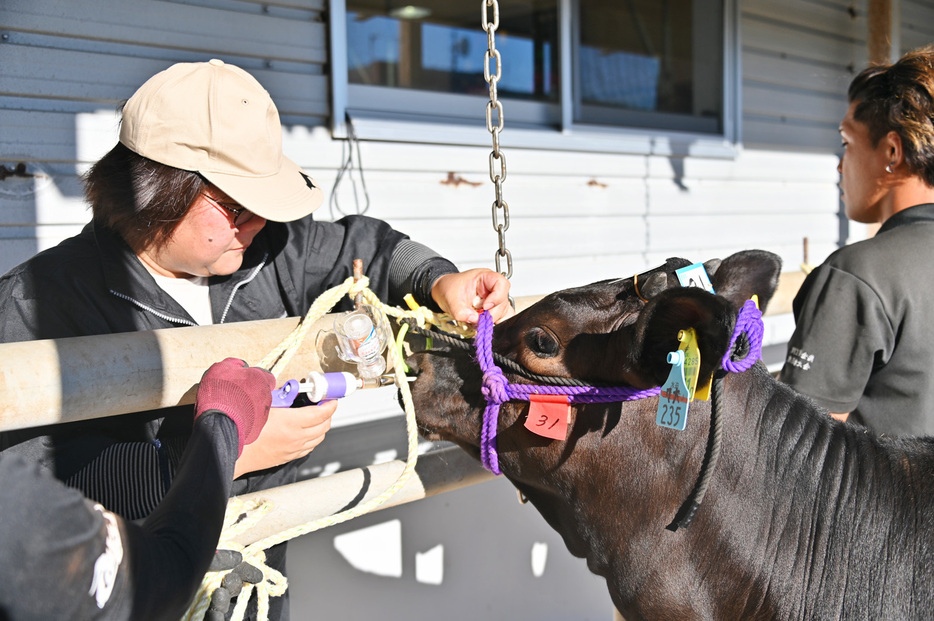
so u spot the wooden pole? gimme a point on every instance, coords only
(64, 380)
(879, 24)
(299, 503)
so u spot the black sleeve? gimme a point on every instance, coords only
(414, 268)
(311, 257)
(65, 557)
(841, 332)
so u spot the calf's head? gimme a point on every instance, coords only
(615, 332)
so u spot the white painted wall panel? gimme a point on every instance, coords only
(834, 19)
(778, 37)
(578, 213)
(781, 70)
(917, 27)
(174, 25)
(794, 104)
(777, 132)
(798, 58)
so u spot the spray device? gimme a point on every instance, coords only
(317, 387)
(362, 335)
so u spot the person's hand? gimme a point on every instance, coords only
(464, 294)
(242, 392)
(290, 433)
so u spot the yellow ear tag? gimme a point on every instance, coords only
(703, 392)
(688, 345)
(688, 340)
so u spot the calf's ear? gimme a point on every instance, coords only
(673, 310)
(747, 273)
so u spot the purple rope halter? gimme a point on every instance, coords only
(748, 322)
(498, 390)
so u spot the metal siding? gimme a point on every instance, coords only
(572, 211)
(67, 65)
(798, 58)
(917, 26)
(576, 216)
(57, 59)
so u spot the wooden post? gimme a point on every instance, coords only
(879, 25)
(63, 380)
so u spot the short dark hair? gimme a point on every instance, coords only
(140, 199)
(899, 97)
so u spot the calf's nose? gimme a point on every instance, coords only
(412, 363)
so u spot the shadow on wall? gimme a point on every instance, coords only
(19, 184)
(41, 192)
(41, 204)
(677, 168)
(474, 553)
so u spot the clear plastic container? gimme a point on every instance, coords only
(362, 339)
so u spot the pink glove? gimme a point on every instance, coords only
(242, 392)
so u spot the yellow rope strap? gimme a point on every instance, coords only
(241, 516)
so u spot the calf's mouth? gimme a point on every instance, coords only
(446, 395)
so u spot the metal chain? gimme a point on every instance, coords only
(497, 177)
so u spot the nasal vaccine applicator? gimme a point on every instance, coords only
(320, 386)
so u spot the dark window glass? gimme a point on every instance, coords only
(439, 45)
(634, 63)
(641, 56)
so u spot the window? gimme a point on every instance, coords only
(650, 63)
(658, 65)
(439, 46)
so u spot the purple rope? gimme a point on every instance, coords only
(749, 322)
(498, 390)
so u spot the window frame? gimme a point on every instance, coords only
(534, 125)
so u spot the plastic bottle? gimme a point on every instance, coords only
(361, 342)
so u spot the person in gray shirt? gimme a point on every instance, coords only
(861, 346)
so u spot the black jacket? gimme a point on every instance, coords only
(93, 283)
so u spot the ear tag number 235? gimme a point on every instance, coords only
(678, 391)
(675, 396)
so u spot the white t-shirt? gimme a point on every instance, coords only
(191, 293)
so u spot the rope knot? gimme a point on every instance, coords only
(749, 326)
(421, 315)
(494, 386)
(359, 286)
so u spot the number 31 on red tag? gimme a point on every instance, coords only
(548, 416)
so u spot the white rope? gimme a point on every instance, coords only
(241, 516)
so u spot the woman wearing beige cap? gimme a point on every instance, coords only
(199, 218)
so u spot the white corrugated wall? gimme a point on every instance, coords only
(576, 216)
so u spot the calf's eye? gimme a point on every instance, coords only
(542, 343)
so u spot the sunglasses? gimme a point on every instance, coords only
(241, 215)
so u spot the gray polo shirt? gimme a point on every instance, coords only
(864, 335)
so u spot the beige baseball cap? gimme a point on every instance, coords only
(216, 119)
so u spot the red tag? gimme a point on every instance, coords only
(548, 416)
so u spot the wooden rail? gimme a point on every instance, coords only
(64, 380)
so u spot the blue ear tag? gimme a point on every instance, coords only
(675, 397)
(694, 276)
